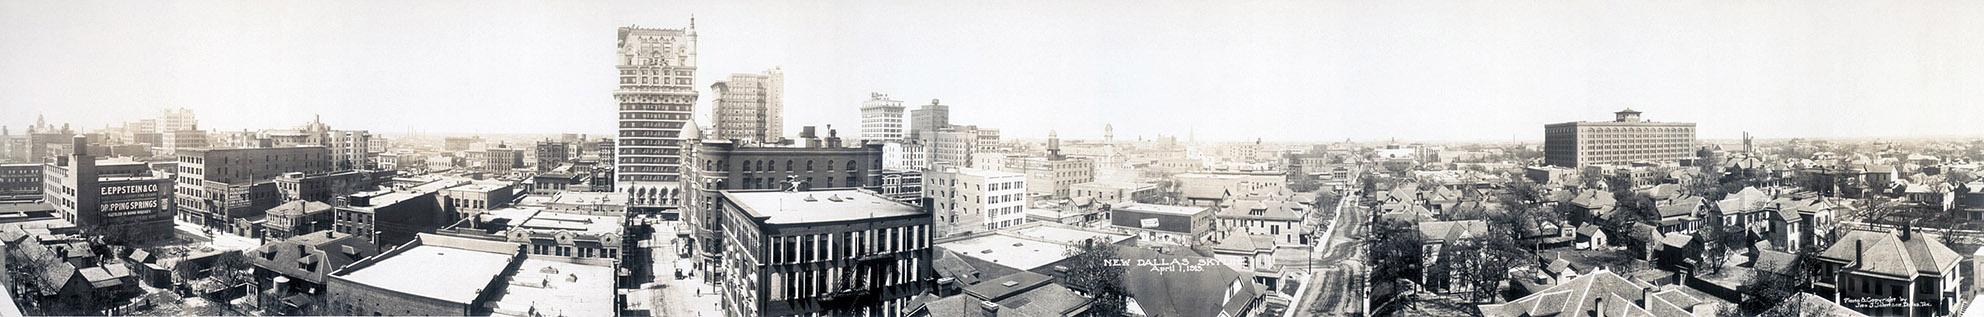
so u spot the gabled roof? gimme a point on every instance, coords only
(1164, 292)
(311, 256)
(1594, 199)
(1889, 255)
(1811, 305)
(948, 264)
(1747, 200)
(1577, 297)
(1436, 231)
(1681, 207)
(1774, 261)
(1245, 243)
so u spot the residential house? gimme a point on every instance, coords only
(1601, 293)
(1436, 236)
(1913, 269)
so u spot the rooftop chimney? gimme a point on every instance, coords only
(1598, 305)
(833, 137)
(988, 309)
(1646, 297)
(1858, 251)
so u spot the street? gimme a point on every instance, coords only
(1338, 271)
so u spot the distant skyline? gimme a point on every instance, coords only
(1279, 71)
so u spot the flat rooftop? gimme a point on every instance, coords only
(1164, 209)
(1067, 235)
(478, 187)
(450, 274)
(817, 206)
(388, 199)
(586, 198)
(572, 222)
(557, 288)
(1010, 251)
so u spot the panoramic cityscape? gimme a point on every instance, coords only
(1093, 158)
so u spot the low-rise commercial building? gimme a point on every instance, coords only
(1180, 225)
(124, 201)
(1117, 191)
(297, 217)
(470, 277)
(390, 218)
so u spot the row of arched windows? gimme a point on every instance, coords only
(768, 165)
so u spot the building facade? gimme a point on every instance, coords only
(497, 160)
(967, 200)
(657, 97)
(550, 154)
(1624, 140)
(750, 107)
(924, 121)
(832, 252)
(881, 119)
(20, 182)
(126, 201)
(214, 186)
(718, 165)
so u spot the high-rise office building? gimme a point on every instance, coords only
(881, 119)
(657, 97)
(1625, 139)
(180, 119)
(750, 107)
(926, 120)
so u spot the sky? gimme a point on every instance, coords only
(1214, 70)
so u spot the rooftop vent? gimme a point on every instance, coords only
(809, 198)
(1010, 283)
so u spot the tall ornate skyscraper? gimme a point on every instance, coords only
(657, 96)
(881, 119)
(750, 107)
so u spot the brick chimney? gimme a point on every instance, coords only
(1598, 305)
(1858, 251)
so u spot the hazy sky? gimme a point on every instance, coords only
(1299, 70)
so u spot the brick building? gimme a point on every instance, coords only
(823, 252)
(215, 186)
(717, 165)
(1624, 140)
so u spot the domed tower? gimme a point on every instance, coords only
(1108, 133)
